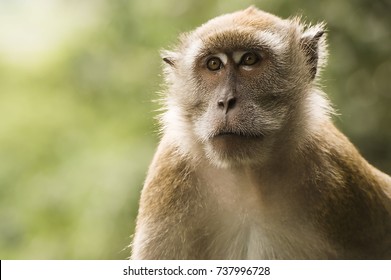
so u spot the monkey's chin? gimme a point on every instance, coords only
(226, 150)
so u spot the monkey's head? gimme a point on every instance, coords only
(241, 83)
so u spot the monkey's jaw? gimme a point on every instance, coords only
(232, 149)
(229, 141)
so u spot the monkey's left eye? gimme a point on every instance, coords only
(214, 64)
(249, 59)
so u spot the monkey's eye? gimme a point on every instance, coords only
(214, 64)
(249, 59)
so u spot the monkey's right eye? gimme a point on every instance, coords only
(214, 64)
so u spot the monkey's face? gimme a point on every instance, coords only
(237, 85)
(240, 101)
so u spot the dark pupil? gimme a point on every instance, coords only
(249, 59)
(214, 64)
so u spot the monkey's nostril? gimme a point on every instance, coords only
(231, 103)
(227, 104)
(221, 103)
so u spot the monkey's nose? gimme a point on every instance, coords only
(226, 104)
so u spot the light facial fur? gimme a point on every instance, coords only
(250, 165)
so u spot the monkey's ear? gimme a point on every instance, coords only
(313, 44)
(169, 57)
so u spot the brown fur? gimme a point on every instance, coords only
(270, 177)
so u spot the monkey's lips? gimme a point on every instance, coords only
(225, 141)
(238, 135)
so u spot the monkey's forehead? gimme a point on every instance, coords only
(248, 29)
(251, 18)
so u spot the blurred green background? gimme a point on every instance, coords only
(77, 128)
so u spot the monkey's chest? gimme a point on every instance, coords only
(243, 222)
(247, 237)
(243, 226)
(251, 238)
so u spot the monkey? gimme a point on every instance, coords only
(250, 164)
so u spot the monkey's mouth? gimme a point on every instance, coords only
(229, 143)
(238, 134)
(232, 139)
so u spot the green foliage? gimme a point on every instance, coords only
(77, 128)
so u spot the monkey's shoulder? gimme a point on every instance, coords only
(170, 184)
(351, 200)
(169, 201)
(329, 156)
